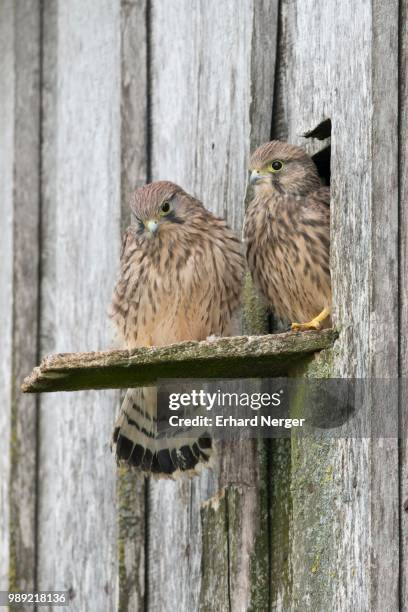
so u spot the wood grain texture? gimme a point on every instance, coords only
(403, 297)
(212, 88)
(6, 271)
(134, 101)
(20, 164)
(215, 588)
(280, 452)
(383, 294)
(213, 542)
(354, 84)
(280, 524)
(81, 242)
(226, 520)
(131, 489)
(237, 356)
(131, 540)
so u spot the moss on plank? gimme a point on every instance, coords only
(235, 357)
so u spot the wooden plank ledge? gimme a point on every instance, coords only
(233, 357)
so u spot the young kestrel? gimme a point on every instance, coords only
(287, 235)
(180, 279)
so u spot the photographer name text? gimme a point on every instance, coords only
(231, 421)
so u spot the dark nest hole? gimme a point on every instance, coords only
(322, 157)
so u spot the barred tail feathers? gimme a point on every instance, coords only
(138, 443)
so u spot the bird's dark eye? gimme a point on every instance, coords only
(276, 165)
(165, 208)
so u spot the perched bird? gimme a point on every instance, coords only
(180, 279)
(287, 235)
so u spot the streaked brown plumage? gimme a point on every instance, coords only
(180, 279)
(287, 235)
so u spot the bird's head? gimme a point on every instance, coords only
(161, 207)
(283, 168)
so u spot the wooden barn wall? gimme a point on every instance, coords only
(403, 287)
(102, 96)
(211, 100)
(81, 224)
(346, 554)
(135, 169)
(19, 245)
(6, 275)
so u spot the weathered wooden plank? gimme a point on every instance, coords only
(134, 100)
(215, 590)
(384, 303)
(227, 523)
(280, 524)
(212, 89)
(7, 75)
(312, 556)
(20, 95)
(403, 298)
(355, 85)
(248, 524)
(131, 540)
(131, 488)
(81, 243)
(279, 451)
(237, 356)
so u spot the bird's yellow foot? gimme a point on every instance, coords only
(315, 323)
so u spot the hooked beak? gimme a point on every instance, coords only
(152, 226)
(255, 177)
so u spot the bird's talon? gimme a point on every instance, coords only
(306, 326)
(315, 323)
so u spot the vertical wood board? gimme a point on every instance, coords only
(403, 287)
(134, 170)
(355, 85)
(211, 88)
(81, 245)
(7, 62)
(21, 171)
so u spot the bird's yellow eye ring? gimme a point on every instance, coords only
(276, 165)
(165, 208)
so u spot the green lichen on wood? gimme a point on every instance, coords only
(234, 357)
(15, 457)
(234, 522)
(131, 527)
(260, 557)
(215, 588)
(312, 498)
(280, 524)
(255, 321)
(254, 316)
(21, 490)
